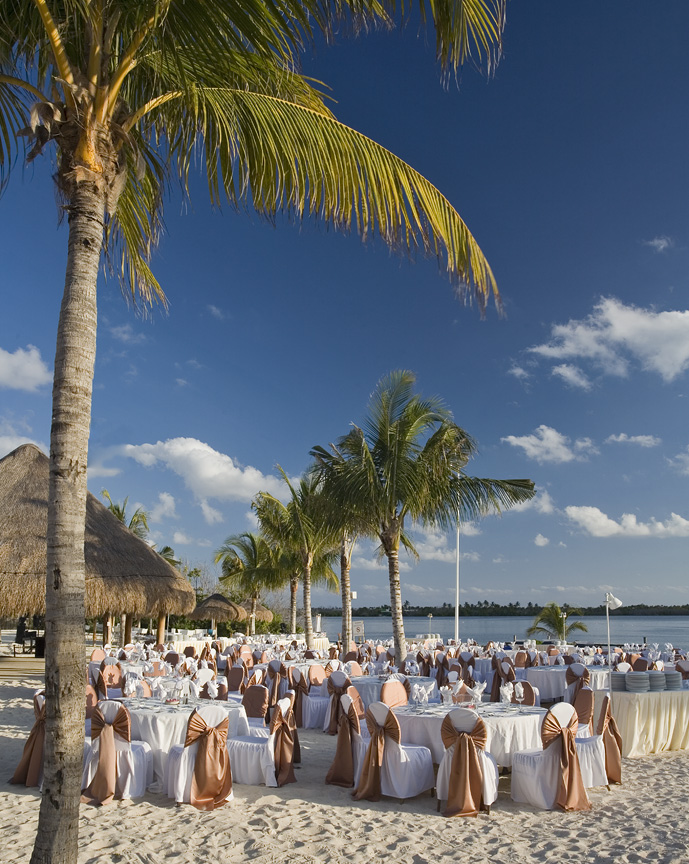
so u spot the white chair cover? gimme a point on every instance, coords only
(591, 753)
(179, 771)
(464, 720)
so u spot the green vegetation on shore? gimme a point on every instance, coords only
(484, 609)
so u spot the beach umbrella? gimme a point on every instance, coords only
(123, 573)
(217, 607)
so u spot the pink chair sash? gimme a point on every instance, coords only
(212, 779)
(465, 789)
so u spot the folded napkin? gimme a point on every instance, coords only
(412, 667)
(559, 660)
(129, 686)
(446, 694)
(158, 689)
(477, 690)
(212, 689)
(506, 691)
(518, 690)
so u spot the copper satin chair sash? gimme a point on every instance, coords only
(102, 788)
(341, 772)
(255, 701)
(212, 779)
(335, 708)
(500, 677)
(284, 748)
(28, 771)
(612, 742)
(301, 691)
(395, 693)
(442, 667)
(424, 665)
(583, 705)
(571, 794)
(578, 680)
(465, 789)
(273, 678)
(369, 784)
(465, 671)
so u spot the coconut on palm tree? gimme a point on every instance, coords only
(407, 465)
(125, 96)
(554, 622)
(301, 528)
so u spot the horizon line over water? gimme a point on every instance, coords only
(623, 628)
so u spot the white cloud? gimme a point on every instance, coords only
(519, 372)
(540, 540)
(164, 509)
(681, 462)
(361, 563)
(181, 382)
(541, 503)
(641, 440)
(614, 334)
(548, 445)
(97, 469)
(23, 370)
(15, 433)
(210, 514)
(598, 524)
(660, 244)
(179, 538)
(125, 333)
(206, 472)
(216, 312)
(572, 375)
(500, 560)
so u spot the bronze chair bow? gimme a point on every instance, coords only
(212, 778)
(465, 787)
(571, 794)
(369, 785)
(612, 742)
(102, 788)
(29, 769)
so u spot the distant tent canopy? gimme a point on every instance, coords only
(217, 607)
(123, 573)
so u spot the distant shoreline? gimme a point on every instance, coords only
(502, 611)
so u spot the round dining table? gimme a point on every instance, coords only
(369, 687)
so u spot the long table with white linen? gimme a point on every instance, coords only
(369, 687)
(652, 722)
(508, 730)
(551, 680)
(164, 726)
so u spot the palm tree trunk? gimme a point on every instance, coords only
(308, 623)
(396, 605)
(293, 589)
(58, 820)
(252, 615)
(345, 585)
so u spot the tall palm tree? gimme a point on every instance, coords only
(250, 567)
(138, 524)
(300, 526)
(322, 574)
(126, 94)
(168, 553)
(407, 464)
(554, 622)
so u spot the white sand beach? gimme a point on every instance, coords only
(644, 820)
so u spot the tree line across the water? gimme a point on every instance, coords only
(485, 609)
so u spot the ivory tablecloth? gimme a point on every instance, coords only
(508, 731)
(163, 726)
(652, 722)
(551, 680)
(369, 687)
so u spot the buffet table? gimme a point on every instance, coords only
(652, 722)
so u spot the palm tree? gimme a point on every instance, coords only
(301, 528)
(138, 524)
(553, 622)
(168, 553)
(126, 94)
(407, 465)
(249, 567)
(322, 574)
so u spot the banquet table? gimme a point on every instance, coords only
(652, 722)
(551, 680)
(369, 687)
(508, 730)
(163, 726)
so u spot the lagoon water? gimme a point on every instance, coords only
(623, 628)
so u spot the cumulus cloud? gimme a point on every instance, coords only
(206, 472)
(641, 440)
(548, 445)
(125, 333)
(14, 433)
(164, 509)
(572, 375)
(598, 524)
(179, 538)
(614, 335)
(541, 503)
(519, 372)
(660, 244)
(23, 369)
(540, 540)
(681, 462)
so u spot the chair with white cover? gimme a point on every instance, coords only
(576, 677)
(255, 701)
(265, 760)
(300, 688)
(530, 693)
(353, 669)
(117, 766)
(255, 678)
(275, 675)
(203, 676)
(467, 776)
(199, 772)
(389, 767)
(551, 777)
(591, 753)
(345, 769)
(214, 689)
(337, 684)
(314, 707)
(624, 666)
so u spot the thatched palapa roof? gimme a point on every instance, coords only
(123, 573)
(262, 614)
(217, 607)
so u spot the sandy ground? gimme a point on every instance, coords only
(644, 820)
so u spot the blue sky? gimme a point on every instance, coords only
(570, 168)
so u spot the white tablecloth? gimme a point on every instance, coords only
(507, 730)
(652, 722)
(551, 680)
(163, 726)
(369, 687)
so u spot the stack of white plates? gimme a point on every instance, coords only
(618, 682)
(656, 680)
(673, 680)
(637, 682)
